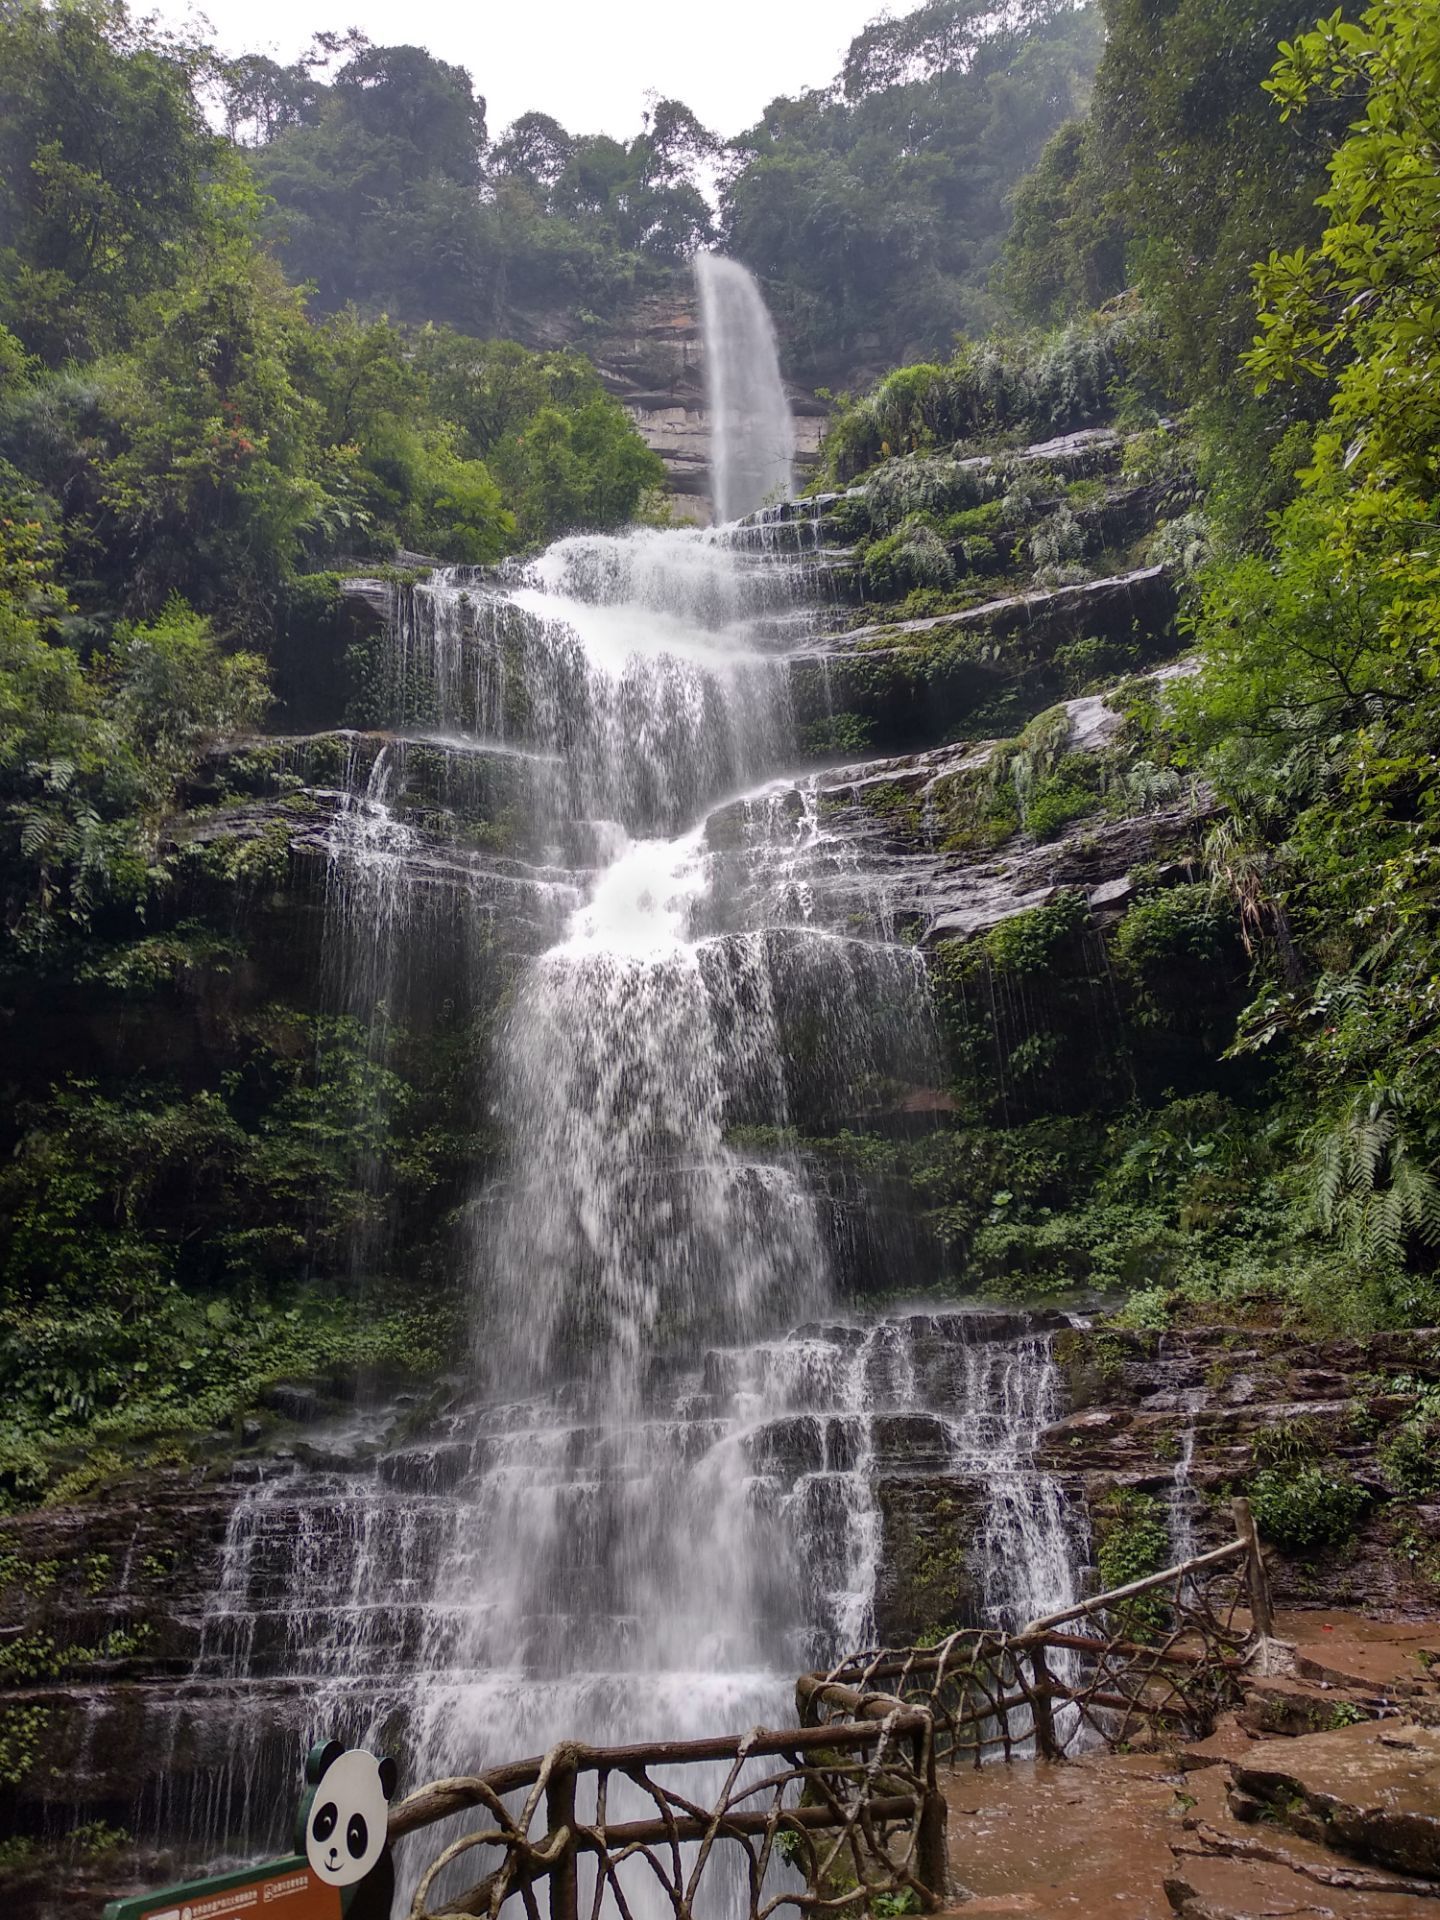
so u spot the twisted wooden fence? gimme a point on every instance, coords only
(1166, 1652)
(843, 1815)
(821, 1819)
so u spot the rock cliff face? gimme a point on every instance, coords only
(116, 1598)
(655, 365)
(1181, 1419)
(976, 781)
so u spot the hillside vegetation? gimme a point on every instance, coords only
(1282, 319)
(194, 450)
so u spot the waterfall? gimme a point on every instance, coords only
(1183, 1502)
(669, 1466)
(752, 437)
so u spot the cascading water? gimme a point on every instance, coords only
(752, 434)
(1184, 1502)
(659, 1488)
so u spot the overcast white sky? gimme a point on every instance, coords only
(590, 63)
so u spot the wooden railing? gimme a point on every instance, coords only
(1164, 1653)
(842, 1814)
(823, 1819)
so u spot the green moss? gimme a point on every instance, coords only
(972, 812)
(836, 733)
(898, 805)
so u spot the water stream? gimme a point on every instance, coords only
(752, 436)
(665, 1479)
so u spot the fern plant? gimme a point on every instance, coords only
(1368, 1184)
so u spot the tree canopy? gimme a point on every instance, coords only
(875, 210)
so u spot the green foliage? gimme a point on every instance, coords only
(1181, 156)
(1316, 710)
(386, 193)
(1148, 1310)
(877, 207)
(22, 1734)
(91, 757)
(1132, 1541)
(1054, 804)
(1172, 945)
(154, 1247)
(105, 170)
(1065, 250)
(1361, 307)
(1411, 1459)
(1306, 1511)
(219, 442)
(837, 733)
(1027, 943)
(1033, 383)
(913, 556)
(889, 1906)
(1292, 1444)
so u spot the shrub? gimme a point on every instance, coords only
(1179, 949)
(1291, 1444)
(1412, 1459)
(1147, 1310)
(913, 556)
(1054, 805)
(1030, 383)
(1134, 1540)
(1028, 942)
(1306, 1511)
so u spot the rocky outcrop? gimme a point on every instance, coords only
(653, 362)
(908, 681)
(1187, 1417)
(1371, 1790)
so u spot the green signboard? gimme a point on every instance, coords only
(285, 1889)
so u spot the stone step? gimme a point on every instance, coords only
(1372, 1791)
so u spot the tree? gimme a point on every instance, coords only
(376, 187)
(263, 98)
(940, 37)
(209, 478)
(1201, 173)
(424, 108)
(1364, 306)
(536, 149)
(876, 209)
(1318, 706)
(104, 162)
(1065, 253)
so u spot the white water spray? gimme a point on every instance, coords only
(752, 436)
(655, 1495)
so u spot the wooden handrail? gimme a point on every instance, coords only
(1104, 1602)
(441, 1798)
(871, 1718)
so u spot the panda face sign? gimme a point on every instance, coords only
(346, 1824)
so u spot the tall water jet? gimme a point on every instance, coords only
(752, 436)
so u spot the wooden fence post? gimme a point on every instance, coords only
(560, 1813)
(1046, 1745)
(1261, 1613)
(932, 1855)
